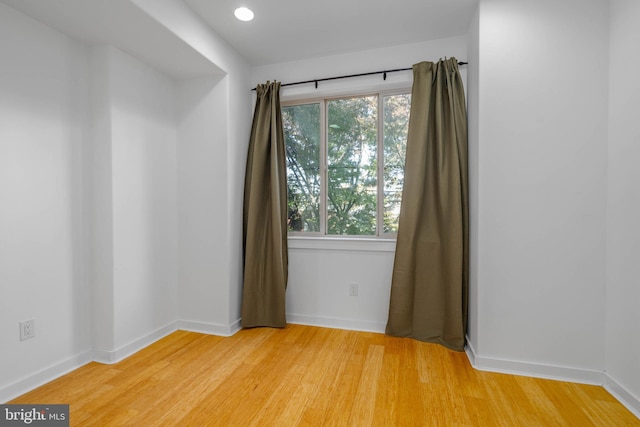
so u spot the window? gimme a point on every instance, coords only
(345, 164)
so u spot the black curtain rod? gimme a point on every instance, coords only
(326, 79)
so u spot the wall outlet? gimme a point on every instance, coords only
(27, 329)
(353, 289)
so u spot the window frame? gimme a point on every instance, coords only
(323, 103)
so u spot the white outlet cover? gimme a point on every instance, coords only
(353, 289)
(27, 329)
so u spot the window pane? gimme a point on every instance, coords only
(302, 139)
(395, 125)
(352, 166)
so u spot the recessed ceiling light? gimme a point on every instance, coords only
(243, 14)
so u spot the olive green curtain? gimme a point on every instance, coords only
(265, 215)
(429, 289)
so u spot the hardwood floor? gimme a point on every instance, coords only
(312, 376)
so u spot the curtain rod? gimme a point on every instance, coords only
(326, 79)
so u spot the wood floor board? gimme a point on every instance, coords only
(346, 377)
(363, 407)
(573, 411)
(326, 376)
(388, 400)
(309, 376)
(279, 398)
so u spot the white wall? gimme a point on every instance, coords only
(202, 175)
(214, 119)
(43, 101)
(218, 279)
(403, 56)
(473, 113)
(542, 130)
(320, 271)
(622, 358)
(134, 215)
(143, 156)
(98, 167)
(319, 277)
(238, 128)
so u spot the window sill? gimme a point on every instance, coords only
(359, 244)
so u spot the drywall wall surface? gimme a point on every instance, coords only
(622, 360)
(403, 56)
(202, 213)
(231, 100)
(144, 172)
(473, 83)
(43, 82)
(99, 200)
(542, 182)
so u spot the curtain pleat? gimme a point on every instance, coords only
(265, 215)
(429, 289)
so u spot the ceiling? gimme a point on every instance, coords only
(286, 30)
(122, 24)
(283, 30)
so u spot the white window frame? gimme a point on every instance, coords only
(323, 101)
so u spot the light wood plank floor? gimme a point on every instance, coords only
(308, 376)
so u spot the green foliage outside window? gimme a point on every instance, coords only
(302, 141)
(396, 125)
(352, 156)
(352, 143)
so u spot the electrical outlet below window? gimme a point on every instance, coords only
(27, 329)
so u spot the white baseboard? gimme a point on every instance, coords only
(44, 376)
(114, 356)
(536, 370)
(329, 322)
(471, 352)
(209, 328)
(624, 396)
